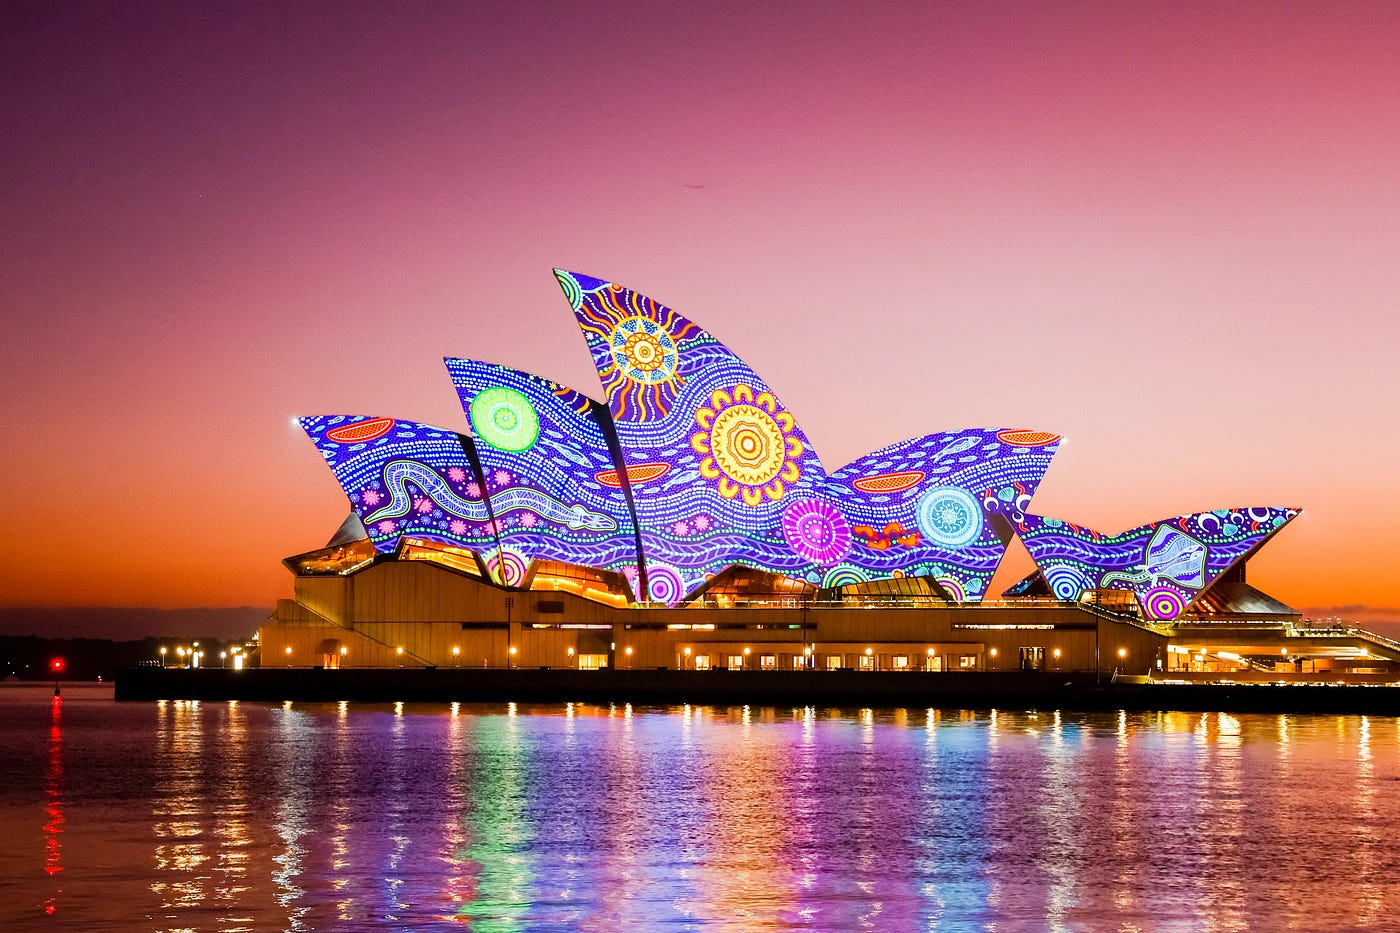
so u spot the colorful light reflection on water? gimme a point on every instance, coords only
(237, 816)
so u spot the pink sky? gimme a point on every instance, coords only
(1169, 234)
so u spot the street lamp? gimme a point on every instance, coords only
(56, 666)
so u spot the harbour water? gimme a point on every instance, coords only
(240, 816)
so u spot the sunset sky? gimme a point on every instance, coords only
(1170, 233)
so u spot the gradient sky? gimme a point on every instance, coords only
(1171, 234)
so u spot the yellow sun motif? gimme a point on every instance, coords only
(748, 445)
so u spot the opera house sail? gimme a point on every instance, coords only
(553, 527)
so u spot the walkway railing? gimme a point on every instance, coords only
(1348, 631)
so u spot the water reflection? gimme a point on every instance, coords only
(53, 805)
(592, 818)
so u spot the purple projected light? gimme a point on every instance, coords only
(405, 478)
(722, 474)
(555, 491)
(1166, 564)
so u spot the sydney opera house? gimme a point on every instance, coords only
(688, 521)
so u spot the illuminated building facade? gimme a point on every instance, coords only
(552, 528)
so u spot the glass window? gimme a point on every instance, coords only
(967, 661)
(799, 661)
(933, 662)
(768, 662)
(736, 662)
(833, 662)
(901, 662)
(592, 662)
(702, 662)
(867, 662)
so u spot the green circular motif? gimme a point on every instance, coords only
(505, 419)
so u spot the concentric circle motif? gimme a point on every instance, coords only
(505, 419)
(953, 588)
(1065, 582)
(571, 289)
(643, 350)
(507, 567)
(816, 530)
(1162, 602)
(664, 584)
(949, 516)
(842, 576)
(747, 444)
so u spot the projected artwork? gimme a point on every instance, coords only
(405, 478)
(555, 492)
(712, 455)
(693, 464)
(723, 474)
(921, 507)
(1166, 564)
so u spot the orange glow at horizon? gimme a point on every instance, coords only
(1169, 238)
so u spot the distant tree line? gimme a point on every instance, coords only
(28, 657)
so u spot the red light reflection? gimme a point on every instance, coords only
(53, 808)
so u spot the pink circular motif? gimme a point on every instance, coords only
(664, 584)
(508, 568)
(1163, 602)
(817, 531)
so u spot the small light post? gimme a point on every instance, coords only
(56, 666)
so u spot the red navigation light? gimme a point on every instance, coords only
(56, 665)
